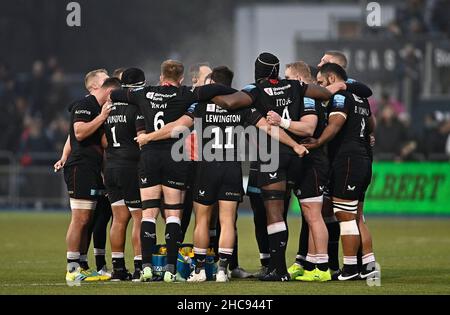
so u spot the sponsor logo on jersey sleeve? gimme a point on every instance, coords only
(339, 101)
(249, 87)
(310, 104)
(150, 95)
(191, 108)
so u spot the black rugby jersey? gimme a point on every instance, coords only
(159, 105)
(123, 122)
(88, 151)
(221, 129)
(285, 97)
(353, 138)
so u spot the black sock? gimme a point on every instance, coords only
(233, 261)
(265, 261)
(334, 232)
(186, 217)
(216, 245)
(350, 269)
(213, 239)
(322, 262)
(138, 264)
(83, 261)
(224, 261)
(100, 261)
(102, 216)
(172, 241)
(199, 261)
(118, 263)
(260, 221)
(308, 265)
(277, 243)
(359, 257)
(303, 240)
(148, 241)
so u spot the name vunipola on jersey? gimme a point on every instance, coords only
(114, 119)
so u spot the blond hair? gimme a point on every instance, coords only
(300, 68)
(90, 76)
(172, 70)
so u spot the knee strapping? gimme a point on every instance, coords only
(177, 206)
(151, 203)
(347, 206)
(273, 194)
(349, 227)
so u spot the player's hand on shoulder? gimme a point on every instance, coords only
(273, 118)
(336, 87)
(106, 109)
(301, 150)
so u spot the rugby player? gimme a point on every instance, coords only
(309, 189)
(198, 72)
(339, 58)
(82, 170)
(286, 98)
(121, 177)
(159, 175)
(347, 135)
(102, 214)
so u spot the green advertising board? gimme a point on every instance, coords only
(407, 188)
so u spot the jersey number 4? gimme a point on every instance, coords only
(286, 113)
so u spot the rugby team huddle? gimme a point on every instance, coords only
(122, 156)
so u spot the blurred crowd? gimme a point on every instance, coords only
(35, 120)
(416, 17)
(397, 140)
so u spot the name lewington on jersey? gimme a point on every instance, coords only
(223, 119)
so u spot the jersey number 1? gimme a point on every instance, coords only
(113, 132)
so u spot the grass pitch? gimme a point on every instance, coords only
(413, 253)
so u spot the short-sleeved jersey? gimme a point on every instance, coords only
(123, 122)
(222, 125)
(353, 138)
(88, 151)
(159, 105)
(285, 97)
